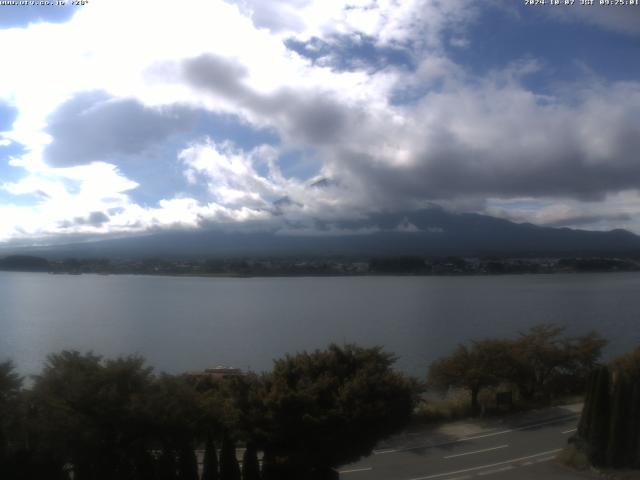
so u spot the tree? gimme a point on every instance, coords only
(242, 408)
(594, 427)
(627, 368)
(210, 461)
(482, 364)
(538, 353)
(121, 417)
(618, 438)
(187, 462)
(10, 382)
(538, 362)
(629, 363)
(250, 465)
(92, 414)
(229, 468)
(167, 468)
(331, 407)
(270, 468)
(10, 386)
(584, 353)
(174, 411)
(545, 363)
(64, 398)
(609, 428)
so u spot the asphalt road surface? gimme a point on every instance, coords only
(521, 447)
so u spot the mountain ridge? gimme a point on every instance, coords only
(428, 232)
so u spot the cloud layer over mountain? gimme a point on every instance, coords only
(251, 115)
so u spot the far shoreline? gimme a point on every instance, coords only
(326, 275)
(278, 267)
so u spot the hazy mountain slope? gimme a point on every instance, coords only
(426, 232)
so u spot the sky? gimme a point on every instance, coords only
(121, 117)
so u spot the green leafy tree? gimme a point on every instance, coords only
(65, 398)
(121, 416)
(242, 408)
(331, 407)
(91, 414)
(174, 409)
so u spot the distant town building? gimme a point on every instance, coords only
(218, 373)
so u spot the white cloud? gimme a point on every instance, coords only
(621, 209)
(405, 226)
(61, 195)
(416, 22)
(230, 175)
(233, 180)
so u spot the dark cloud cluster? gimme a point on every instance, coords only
(94, 219)
(92, 126)
(302, 116)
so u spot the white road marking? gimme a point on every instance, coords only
(482, 467)
(475, 437)
(355, 470)
(382, 452)
(517, 429)
(546, 459)
(496, 470)
(569, 431)
(476, 451)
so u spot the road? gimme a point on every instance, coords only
(517, 447)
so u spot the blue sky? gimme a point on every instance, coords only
(566, 48)
(215, 111)
(20, 16)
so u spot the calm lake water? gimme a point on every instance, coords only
(183, 324)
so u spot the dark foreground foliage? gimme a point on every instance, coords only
(609, 428)
(107, 419)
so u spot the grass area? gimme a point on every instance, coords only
(574, 458)
(456, 405)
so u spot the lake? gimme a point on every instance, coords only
(190, 323)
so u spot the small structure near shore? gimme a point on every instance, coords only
(217, 373)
